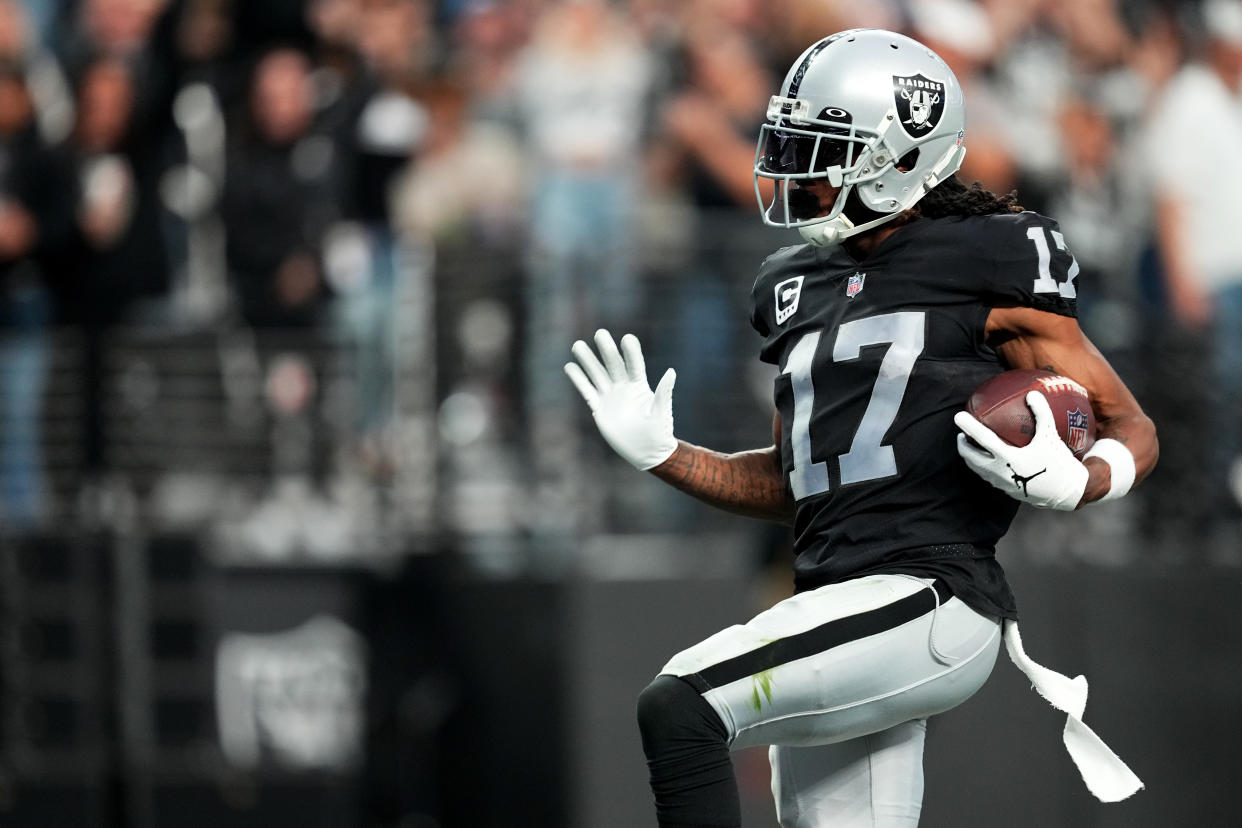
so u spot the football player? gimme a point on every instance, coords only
(910, 291)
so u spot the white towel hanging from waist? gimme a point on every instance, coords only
(1107, 777)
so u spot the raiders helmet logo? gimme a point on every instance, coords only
(920, 103)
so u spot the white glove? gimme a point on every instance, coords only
(1043, 473)
(636, 422)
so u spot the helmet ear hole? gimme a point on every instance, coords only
(906, 162)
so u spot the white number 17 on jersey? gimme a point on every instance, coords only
(868, 457)
(1044, 281)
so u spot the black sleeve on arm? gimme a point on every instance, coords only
(1032, 264)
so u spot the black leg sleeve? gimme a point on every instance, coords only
(687, 754)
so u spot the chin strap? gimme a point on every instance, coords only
(826, 233)
(840, 228)
(837, 230)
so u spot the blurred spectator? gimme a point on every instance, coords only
(120, 28)
(35, 215)
(704, 150)
(1196, 191)
(371, 58)
(464, 194)
(196, 38)
(380, 125)
(44, 79)
(204, 29)
(14, 34)
(1093, 31)
(487, 38)
(581, 89)
(713, 117)
(1102, 222)
(120, 249)
(281, 195)
(125, 30)
(396, 38)
(116, 257)
(334, 24)
(963, 34)
(467, 181)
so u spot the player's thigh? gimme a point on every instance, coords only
(873, 781)
(842, 661)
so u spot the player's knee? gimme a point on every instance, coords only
(671, 711)
(658, 703)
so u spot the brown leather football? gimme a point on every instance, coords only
(1000, 404)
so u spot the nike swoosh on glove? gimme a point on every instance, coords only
(1043, 473)
(636, 421)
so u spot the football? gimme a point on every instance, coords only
(1000, 404)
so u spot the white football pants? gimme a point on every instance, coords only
(840, 682)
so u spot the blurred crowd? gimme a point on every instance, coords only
(267, 166)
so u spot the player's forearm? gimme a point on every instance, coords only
(1137, 433)
(749, 483)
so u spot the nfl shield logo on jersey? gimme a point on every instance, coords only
(788, 293)
(855, 285)
(1077, 434)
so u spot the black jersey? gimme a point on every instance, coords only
(876, 357)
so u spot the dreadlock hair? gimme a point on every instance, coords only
(953, 198)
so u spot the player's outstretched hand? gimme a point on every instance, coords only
(1043, 473)
(636, 421)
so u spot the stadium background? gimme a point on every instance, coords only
(302, 523)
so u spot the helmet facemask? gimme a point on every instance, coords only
(794, 147)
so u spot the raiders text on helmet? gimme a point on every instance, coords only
(877, 114)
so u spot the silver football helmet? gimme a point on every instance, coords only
(877, 114)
